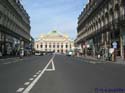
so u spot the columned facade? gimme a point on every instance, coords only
(101, 23)
(54, 42)
(14, 27)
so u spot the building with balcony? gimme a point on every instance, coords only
(54, 42)
(101, 26)
(14, 27)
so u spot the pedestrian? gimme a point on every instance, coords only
(21, 53)
(99, 56)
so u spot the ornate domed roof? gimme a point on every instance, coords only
(54, 33)
(53, 36)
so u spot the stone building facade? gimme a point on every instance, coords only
(14, 27)
(54, 42)
(100, 25)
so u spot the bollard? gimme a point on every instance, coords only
(113, 56)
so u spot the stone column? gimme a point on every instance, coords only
(122, 41)
(43, 46)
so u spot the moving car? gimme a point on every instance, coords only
(69, 53)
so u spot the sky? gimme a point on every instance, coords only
(49, 15)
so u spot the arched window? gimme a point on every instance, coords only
(37, 46)
(41, 46)
(66, 46)
(62, 46)
(53, 45)
(58, 46)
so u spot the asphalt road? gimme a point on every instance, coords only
(60, 74)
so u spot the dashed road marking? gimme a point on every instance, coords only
(35, 76)
(27, 90)
(20, 90)
(26, 83)
(31, 79)
(37, 73)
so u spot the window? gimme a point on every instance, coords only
(41, 46)
(61, 46)
(37, 46)
(66, 46)
(57, 46)
(61, 51)
(53, 46)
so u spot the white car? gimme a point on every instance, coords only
(37, 53)
(70, 53)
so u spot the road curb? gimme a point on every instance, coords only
(94, 61)
(9, 58)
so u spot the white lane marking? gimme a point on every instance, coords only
(40, 70)
(20, 90)
(31, 79)
(27, 90)
(49, 70)
(53, 67)
(26, 83)
(37, 73)
(35, 76)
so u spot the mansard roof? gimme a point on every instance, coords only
(53, 35)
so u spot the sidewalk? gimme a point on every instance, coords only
(10, 58)
(6, 57)
(120, 61)
(94, 60)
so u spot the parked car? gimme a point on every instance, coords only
(38, 53)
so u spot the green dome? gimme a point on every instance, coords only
(54, 32)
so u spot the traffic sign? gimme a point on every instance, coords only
(114, 44)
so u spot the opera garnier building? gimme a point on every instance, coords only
(101, 28)
(14, 27)
(54, 41)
